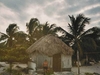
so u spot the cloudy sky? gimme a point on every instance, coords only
(53, 11)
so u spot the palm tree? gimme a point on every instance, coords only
(45, 29)
(48, 29)
(76, 28)
(90, 42)
(93, 32)
(32, 27)
(8, 38)
(37, 30)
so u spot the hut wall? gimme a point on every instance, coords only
(66, 62)
(40, 58)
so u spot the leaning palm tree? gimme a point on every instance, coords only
(8, 38)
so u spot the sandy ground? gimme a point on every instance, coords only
(89, 69)
(5, 66)
(83, 69)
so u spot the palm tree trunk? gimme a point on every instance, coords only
(79, 49)
(79, 53)
(10, 68)
(78, 64)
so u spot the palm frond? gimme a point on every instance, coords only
(12, 28)
(92, 32)
(32, 25)
(3, 36)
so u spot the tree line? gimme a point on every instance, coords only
(87, 42)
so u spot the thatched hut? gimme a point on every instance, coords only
(54, 50)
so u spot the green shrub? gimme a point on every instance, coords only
(14, 72)
(49, 72)
(88, 73)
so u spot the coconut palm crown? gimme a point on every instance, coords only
(9, 37)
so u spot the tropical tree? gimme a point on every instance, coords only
(37, 30)
(94, 33)
(21, 39)
(32, 27)
(88, 41)
(48, 29)
(11, 55)
(45, 29)
(76, 28)
(8, 38)
(11, 46)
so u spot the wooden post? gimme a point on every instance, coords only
(86, 59)
(50, 62)
(78, 62)
(36, 61)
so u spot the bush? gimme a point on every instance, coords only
(49, 72)
(89, 73)
(14, 72)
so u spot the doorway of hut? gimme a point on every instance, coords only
(57, 62)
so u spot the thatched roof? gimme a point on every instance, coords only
(49, 45)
